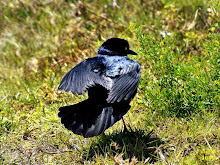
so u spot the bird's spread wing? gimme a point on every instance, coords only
(84, 75)
(125, 85)
(92, 71)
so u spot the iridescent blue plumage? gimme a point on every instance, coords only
(111, 80)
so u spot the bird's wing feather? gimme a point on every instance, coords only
(125, 84)
(83, 76)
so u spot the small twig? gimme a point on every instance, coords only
(52, 153)
(107, 19)
(113, 158)
(192, 25)
(149, 28)
(162, 156)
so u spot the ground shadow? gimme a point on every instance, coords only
(136, 143)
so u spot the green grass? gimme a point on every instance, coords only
(175, 116)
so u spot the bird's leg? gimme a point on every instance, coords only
(125, 128)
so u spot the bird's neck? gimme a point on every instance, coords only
(103, 51)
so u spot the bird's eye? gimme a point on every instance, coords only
(126, 48)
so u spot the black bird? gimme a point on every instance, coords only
(111, 80)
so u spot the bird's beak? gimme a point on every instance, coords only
(131, 52)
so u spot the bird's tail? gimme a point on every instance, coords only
(88, 119)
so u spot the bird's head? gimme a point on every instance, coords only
(115, 46)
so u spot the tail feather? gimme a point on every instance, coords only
(90, 120)
(101, 124)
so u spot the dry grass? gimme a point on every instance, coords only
(175, 115)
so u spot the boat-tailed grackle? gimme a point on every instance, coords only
(111, 80)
